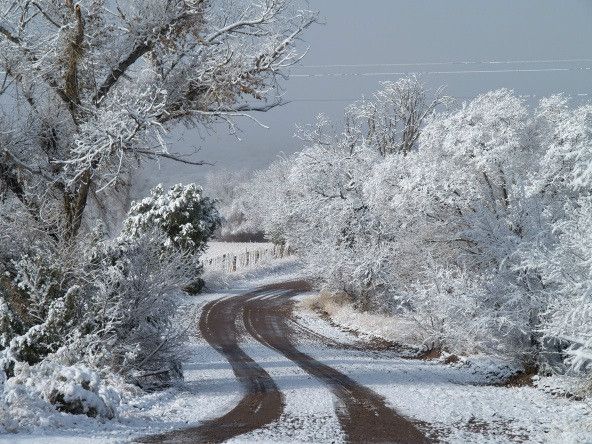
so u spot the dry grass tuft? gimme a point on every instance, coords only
(326, 302)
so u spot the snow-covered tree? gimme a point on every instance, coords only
(91, 88)
(234, 200)
(567, 273)
(392, 120)
(563, 258)
(478, 231)
(182, 216)
(88, 91)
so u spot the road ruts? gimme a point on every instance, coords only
(262, 402)
(267, 316)
(363, 415)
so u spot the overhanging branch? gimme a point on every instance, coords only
(176, 158)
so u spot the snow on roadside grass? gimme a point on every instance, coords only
(370, 325)
(393, 329)
(458, 402)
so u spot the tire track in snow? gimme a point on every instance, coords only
(262, 402)
(362, 413)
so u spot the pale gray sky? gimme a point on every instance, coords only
(432, 36)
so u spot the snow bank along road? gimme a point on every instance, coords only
(266, 314)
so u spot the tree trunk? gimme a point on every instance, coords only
(74, 205)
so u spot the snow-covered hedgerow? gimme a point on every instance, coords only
(74, 314)
(470, 220)
(89, 96)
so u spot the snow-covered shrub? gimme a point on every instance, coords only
(46, 302)
(112, 311)
(72, 389)
(182, 218)
(462, 312)
(47, 393)
(130, 308)
(475, 227)
(81, 311)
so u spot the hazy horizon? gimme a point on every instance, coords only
(535, 47)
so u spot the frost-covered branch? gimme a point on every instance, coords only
(105, 81)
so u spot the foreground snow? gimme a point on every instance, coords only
(455, 403)
(209, 389)
(460, 402)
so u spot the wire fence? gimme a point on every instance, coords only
(233, 262)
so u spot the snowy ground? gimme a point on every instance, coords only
(456, 404)
(209, 389)
(309, 413)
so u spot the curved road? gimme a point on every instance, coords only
(266, 315)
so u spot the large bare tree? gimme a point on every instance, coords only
(392, 119)
(90, 89)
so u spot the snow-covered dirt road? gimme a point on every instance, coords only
(304, 380)
(266, 315)
(261, 367)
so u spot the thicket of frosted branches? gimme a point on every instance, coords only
(471, 219)
(78, 326)
(229, 187)
(88, 91)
